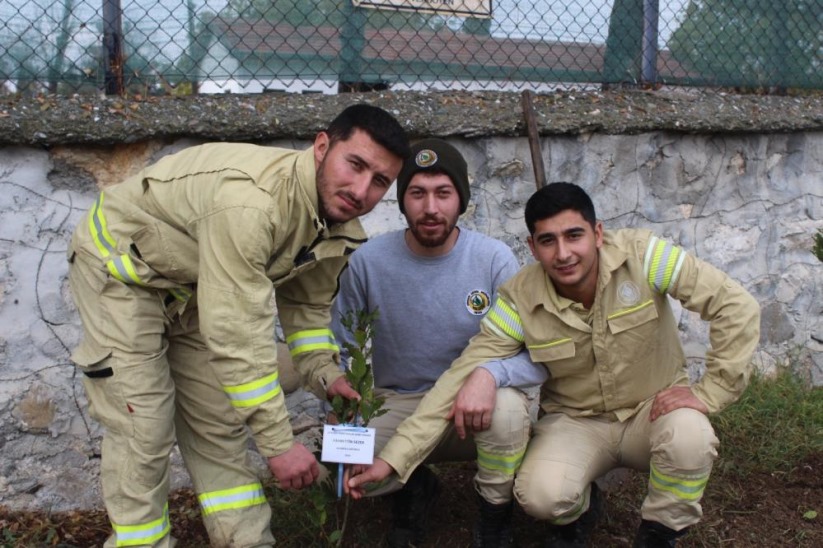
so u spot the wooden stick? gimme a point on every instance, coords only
(534, 138)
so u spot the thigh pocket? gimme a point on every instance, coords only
(106, 404)
(133, 397)
(147, 391)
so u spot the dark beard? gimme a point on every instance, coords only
(429, 242)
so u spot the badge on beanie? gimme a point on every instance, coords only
(426, 158)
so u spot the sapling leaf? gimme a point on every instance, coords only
(359, 373)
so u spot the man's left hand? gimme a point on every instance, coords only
(473, 407)
(673, 398)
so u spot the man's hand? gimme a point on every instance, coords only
(342, 388)
(673, 398)
(473, 407)
(357, 476)
(296, 468)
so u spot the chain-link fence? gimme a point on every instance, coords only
(326, 46)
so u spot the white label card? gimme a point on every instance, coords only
(348, 444)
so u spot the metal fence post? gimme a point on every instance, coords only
(113, 47)
(651, 12)
(352, 41)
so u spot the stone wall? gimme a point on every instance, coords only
(746, 202)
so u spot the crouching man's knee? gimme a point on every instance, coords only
(510, 423)
(501, 448)
(684, 439)
(547, 498)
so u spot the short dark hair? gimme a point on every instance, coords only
(381, 126)
(555, 198)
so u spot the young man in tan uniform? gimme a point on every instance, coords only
(173, 271)
(594, 310)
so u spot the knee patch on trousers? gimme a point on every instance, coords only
(510, 423)
(684, 439)
(551, 496)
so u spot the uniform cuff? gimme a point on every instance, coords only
(275, 442)
(396, 453)
(324, 379)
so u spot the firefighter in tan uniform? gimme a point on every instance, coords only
(594, 310)
(173, 271)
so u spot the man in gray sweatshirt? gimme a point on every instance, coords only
(431, 284)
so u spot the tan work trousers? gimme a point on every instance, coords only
(567, 454)
(147, 378)
(498, 450)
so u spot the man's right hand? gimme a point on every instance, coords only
(296, 468)
(342, 388)
(355, 478)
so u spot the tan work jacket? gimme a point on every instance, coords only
(630, 351)
(226, 223)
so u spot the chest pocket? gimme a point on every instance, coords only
(557, 356)
(634, 330)
(633, 318)
(280, 270)
(281, 273)
(552, 351)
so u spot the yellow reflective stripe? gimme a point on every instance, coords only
(180, 294)
(311, 339)
(549, 344)
(145, 533)
(685, 489)
(662, 263)
(505, 318)
(629, 310)
(123, 269)
(572, 516)
(255, 392)
(97, 226)
(676, 271)
(232, 499)
(507, 464)
(114, 272)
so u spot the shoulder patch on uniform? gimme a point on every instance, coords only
(478, 302)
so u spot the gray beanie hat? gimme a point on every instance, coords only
(437, 156)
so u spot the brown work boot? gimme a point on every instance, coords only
(577, 533)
